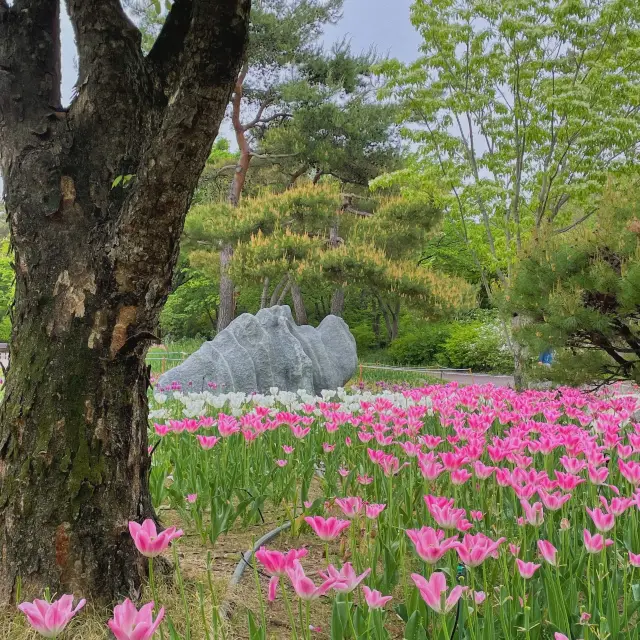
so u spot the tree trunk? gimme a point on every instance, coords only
(226, 308)
(298, 304)
(275, 296)
(265, 293)
(337, 302)
(94, 264)
(395, 319)
(227, 288)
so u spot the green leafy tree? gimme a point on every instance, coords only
(580, 294)
(518, 112)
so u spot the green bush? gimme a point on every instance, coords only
(420, 345)
(365, 338)
(477, 346)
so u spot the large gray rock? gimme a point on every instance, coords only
(255, 353)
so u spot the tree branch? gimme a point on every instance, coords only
(108, 43)
(170, 168)
(576, 223)
(257, 119)
(167, 50)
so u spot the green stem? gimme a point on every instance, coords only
(287, 605)
(154, 593)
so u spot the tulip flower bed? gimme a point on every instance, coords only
(438, 512)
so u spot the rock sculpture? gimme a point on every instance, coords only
(255, 353)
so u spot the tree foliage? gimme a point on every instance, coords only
(290, 234)
(581, 293)
(518, 112)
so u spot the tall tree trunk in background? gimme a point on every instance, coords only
(337, 302)
(94, 263)
(395, 322)
(227, 288)
(226, 308)
(265, 293)
(337, 298)
(298, 304)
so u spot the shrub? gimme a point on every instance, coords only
(420, 345)
(477, 346)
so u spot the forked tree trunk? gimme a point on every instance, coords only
(94, 264)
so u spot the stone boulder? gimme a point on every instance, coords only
(255, 353)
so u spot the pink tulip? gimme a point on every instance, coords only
(604, 521)
(345, 580)
(559, 636)
(553, 501)
(372, 511)
(148, 541)
(479, 597)
(526, 569)
(514, 550)
(130, 624)
(207, 442)
(328, 448)
(276, 564)
(476, 515)
(598, 475)
(444, 513)
(474, 550)
(161, 429)
(328, 529)
(351, 507)
(460, 476)
(343, 471)
(227, 425)
(534, 513)
(49, 619)
(364, 480)
(482, 471)
(618, 505)
(596, 543)
(300, 432)
(547, 551)
(634, 559)
(192, 497)
(374, 599)
(287, 449)
(304, 586)
(282, 463)
(631, 471)
(433, 589)
(429, 543)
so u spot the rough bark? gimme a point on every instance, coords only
(94, 265)
(298, 304)
(337, 302)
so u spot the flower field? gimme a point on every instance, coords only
(437, 512)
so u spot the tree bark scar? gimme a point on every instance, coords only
(68, 189)
(100, 321)
(62, 545)
(126, 317)
(70, 292)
